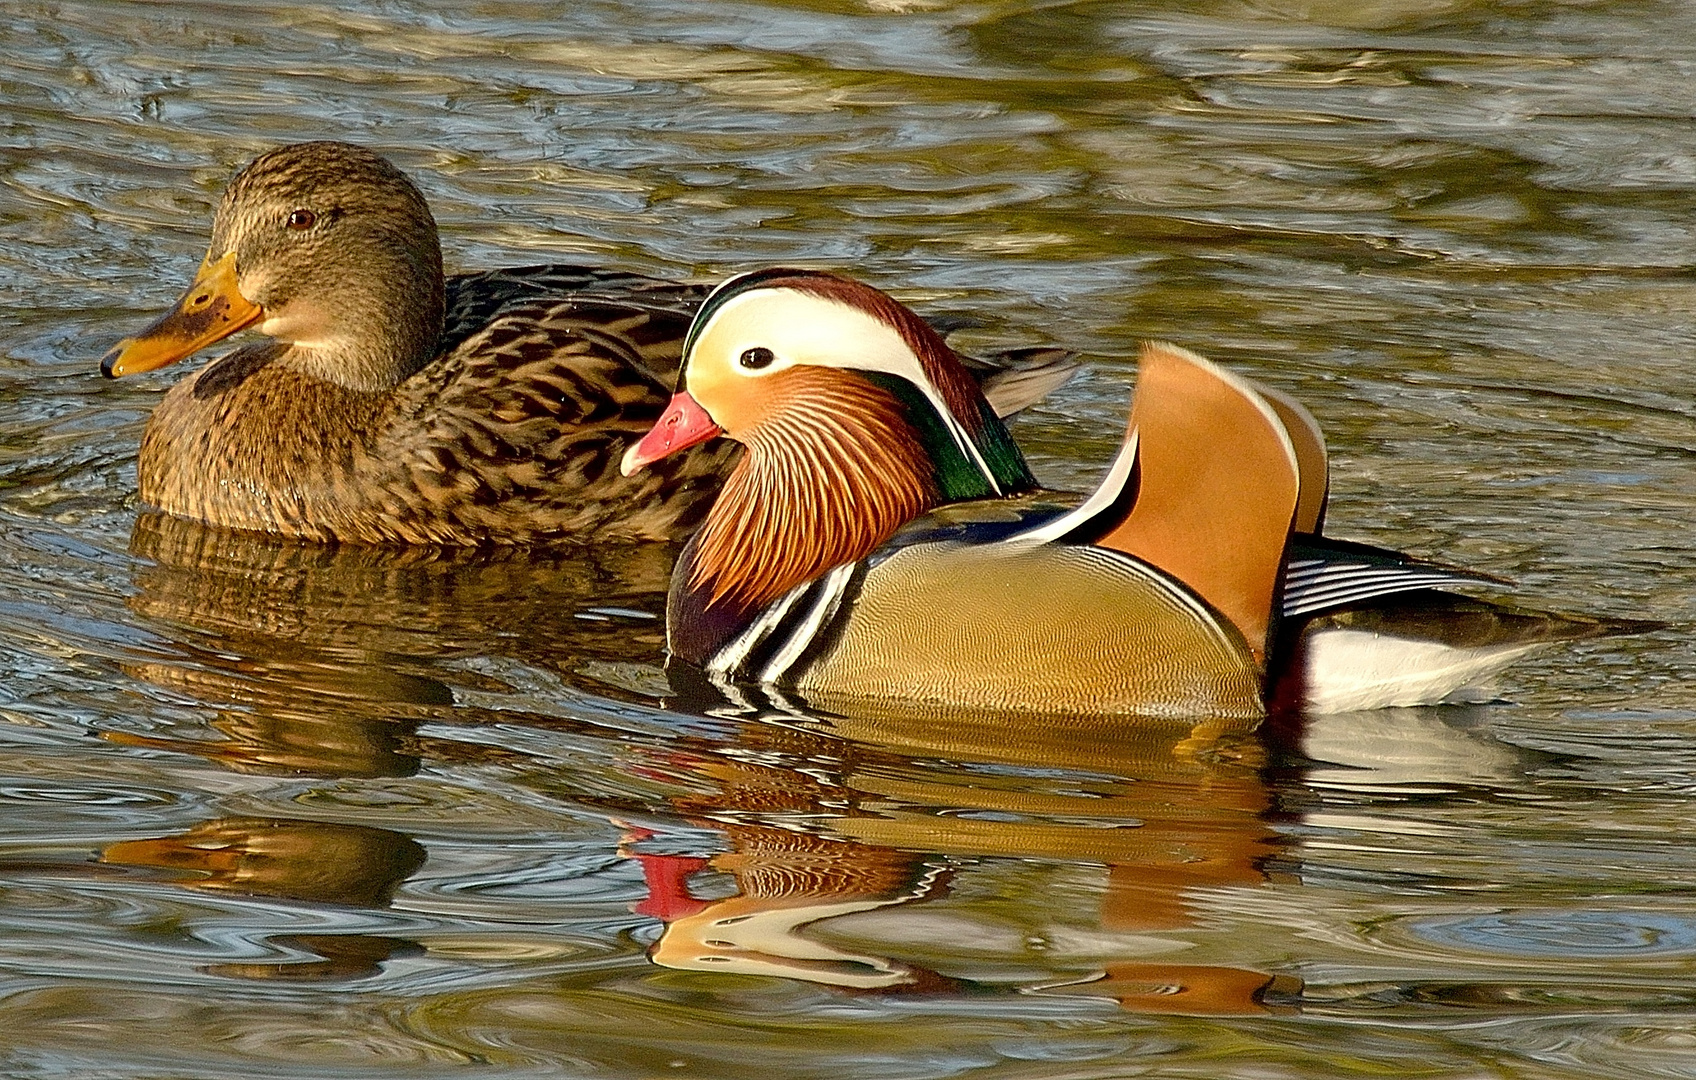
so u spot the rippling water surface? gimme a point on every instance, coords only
(277, 811)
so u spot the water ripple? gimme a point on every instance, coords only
(289, 812)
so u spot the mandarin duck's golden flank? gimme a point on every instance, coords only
(882, 537)
(391, 406)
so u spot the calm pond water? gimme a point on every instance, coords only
(278, 811)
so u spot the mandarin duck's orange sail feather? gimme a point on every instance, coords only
(1218, 485)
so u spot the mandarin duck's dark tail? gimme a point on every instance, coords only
(1418, 647)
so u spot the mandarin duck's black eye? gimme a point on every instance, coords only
(302, 219)
(758, 357)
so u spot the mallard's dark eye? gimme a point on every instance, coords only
(757, 358)
(302, 219)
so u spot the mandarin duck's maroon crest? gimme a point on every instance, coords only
(883, 539)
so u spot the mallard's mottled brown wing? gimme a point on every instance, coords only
(475, 300)
(516, 434)
(1012, 379)
(551, 372)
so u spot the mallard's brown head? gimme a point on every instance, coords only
(325, 247)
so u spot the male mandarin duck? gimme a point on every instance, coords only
(393, 406)
(882, 537)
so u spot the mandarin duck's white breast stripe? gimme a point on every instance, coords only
(830, 592)
(1100, 500)
(730, 657)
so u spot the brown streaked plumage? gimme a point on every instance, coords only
(391, 406)
(512, 437)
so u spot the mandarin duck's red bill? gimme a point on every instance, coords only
(883, 539)
(393, 405)
(682, 425)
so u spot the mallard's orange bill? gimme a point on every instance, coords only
(176, 853)
(683, 424)
(211, 310)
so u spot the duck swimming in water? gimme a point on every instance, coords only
(883, 539)
(393, 406)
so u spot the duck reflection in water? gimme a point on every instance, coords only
(826, 860)
(317, 862)
(856, 847)
(323, 661)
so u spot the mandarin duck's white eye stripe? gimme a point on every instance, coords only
(727, 290)
(796, 327)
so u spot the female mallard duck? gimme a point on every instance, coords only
(393, 407)
(883, 538)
